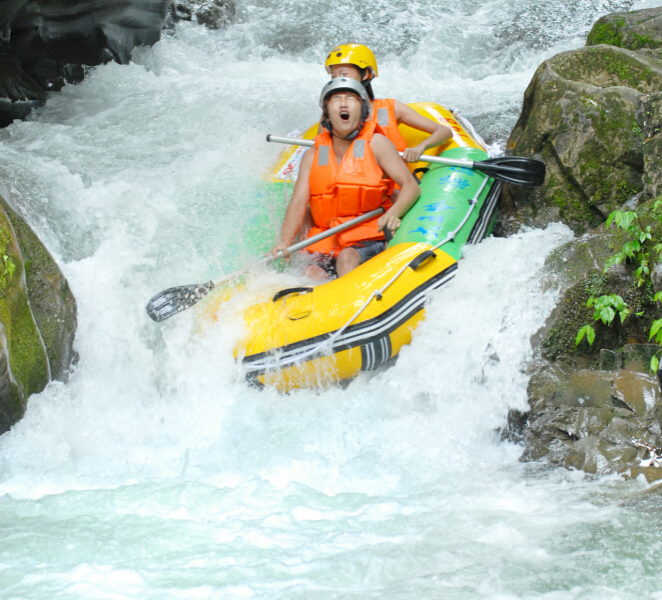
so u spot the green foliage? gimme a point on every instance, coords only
(642, 246)
(637, 247)
(590, 335)
(605, 309)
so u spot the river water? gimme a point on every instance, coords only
(155, 473)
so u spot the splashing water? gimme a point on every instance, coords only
(155, 472)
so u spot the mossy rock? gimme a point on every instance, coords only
(37, 317)
(23, 361)
(52, 302)
(633, 30)
(582, 116)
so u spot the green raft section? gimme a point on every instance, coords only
(446, 194)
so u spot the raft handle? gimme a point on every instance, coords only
(296, 290)
(420, 259)
(422, 170)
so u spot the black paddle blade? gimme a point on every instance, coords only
(173, 300)
(515, 170)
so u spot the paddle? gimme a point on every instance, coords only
(176, 299)
(516, 170)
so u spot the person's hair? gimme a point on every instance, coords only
(367, 83)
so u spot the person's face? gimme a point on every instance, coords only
(349, 71)
(344, 110)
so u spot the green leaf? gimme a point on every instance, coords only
(655, 363)
(610, 218)
(655, 327)
(590, 302)
(624, 313)
(589, 332)
(657, 296)
(606, 315)
(616, 301)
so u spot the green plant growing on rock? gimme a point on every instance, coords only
(7, 267)
(641, 241)
(606, 308)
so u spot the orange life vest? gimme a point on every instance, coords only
(383, 114)
(340, 192)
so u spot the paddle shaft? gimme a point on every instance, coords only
(305, 243)
(469, 164)
(328, 233)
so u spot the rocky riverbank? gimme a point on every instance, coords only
(45, 44)
(593, 115)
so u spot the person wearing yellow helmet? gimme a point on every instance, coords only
(357, 61)
(350, 171)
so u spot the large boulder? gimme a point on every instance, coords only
(47, 42)
(584, 115)
(37, 317)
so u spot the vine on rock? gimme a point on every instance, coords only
(641, 243)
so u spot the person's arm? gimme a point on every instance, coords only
(296, 211)
(389, 160)
(438, 133)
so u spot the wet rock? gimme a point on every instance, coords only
(585, 418)
(610, 360)
(46, 43)
(19, 93)
(37, 318)
(641, 29)
(577, 267)
(650, 116)
(215, 14)
(583, 116)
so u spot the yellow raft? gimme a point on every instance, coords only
(313, 336)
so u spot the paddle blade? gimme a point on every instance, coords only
(516, 170)
(173, 300)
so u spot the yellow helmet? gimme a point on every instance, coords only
(352, 54)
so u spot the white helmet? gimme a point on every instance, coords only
(349, 85)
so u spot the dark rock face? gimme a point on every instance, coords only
(37, 318)
(47, 42)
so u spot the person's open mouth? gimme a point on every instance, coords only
(344, 116)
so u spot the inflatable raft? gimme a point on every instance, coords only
(312, 336)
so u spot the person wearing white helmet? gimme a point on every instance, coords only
(357, 61)
(350, 171)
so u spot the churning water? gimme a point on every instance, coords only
(155, 473)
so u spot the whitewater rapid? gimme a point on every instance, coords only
(156, 472)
